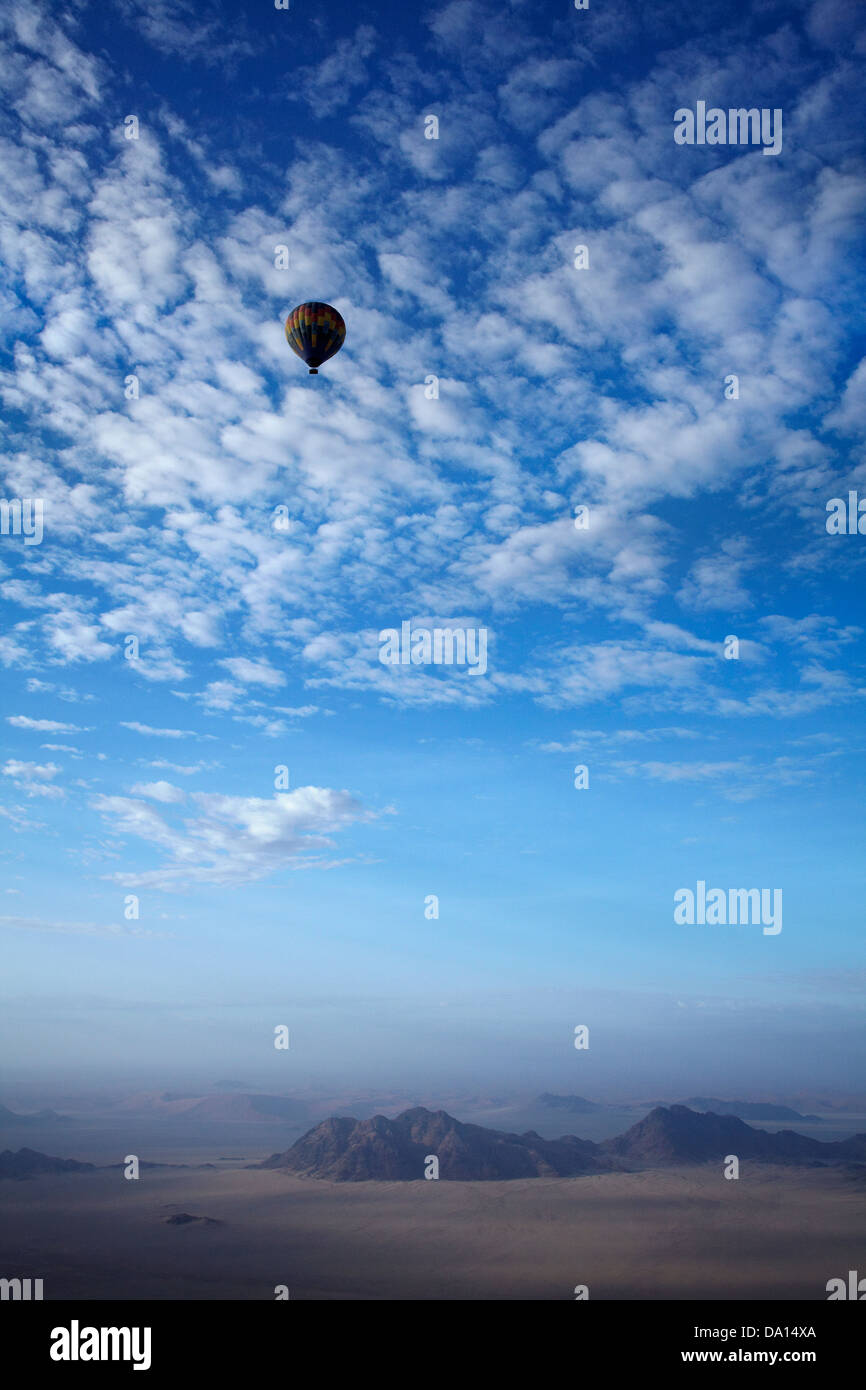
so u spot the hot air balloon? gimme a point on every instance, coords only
(315, 332)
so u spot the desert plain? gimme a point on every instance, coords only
(675, 1233)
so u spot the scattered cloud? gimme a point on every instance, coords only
(235, 839)
(159, 791)
(42, 726)
(150, 732)
(34, 779)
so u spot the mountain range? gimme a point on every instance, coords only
(575, 1105)
(743, 1109)
(349, 1150)
(228, 1107)
(749, 1109)
(28, 1163)
(344, 1149)
(10, 1118)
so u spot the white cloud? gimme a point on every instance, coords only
(815, 633)
(43, 726)
(849, 416)
(556, 386)
(249, 672)
(236, 839)
(329, 86)
(18, 819)
(176, 27)
(715, 581)
(737, 779)
(580, 739)
(183, 769)
(150, 732)
(34, 779)
(220, 695)
(74, 638)
(159, 791)
(12, 652)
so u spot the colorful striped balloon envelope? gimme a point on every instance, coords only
(315, 332)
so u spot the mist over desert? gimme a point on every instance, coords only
(205, 1220)
(680, 1234)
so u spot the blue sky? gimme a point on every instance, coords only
(558, 387)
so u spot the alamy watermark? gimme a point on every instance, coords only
(20, 1290)
(734, 907)
(736, 126)
(439, 646)
(846, 518)
(22, 516)
(77, 1343)
(854, 1289)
